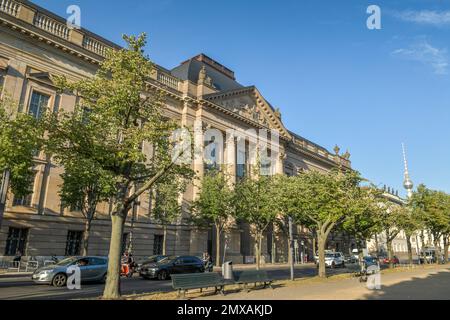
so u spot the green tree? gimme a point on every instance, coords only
(85, 185)
(365, 222)
(125, 114)
(433, 209)
(325, 200)
(284, 203)
(21, 136)
(254, 204)
(392, 217)
(167, 207)
(214, 205)
(410, 224)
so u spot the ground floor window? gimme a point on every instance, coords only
(73, 243)
(16, 241)
(158, 244)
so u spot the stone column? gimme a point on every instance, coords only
(230, 156)
(279, 162)
(198, 149)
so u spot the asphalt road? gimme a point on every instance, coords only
(17, 288)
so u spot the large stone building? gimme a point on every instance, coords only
(36, 44)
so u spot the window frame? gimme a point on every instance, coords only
(21, 240)
(73, 245)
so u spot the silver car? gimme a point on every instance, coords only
(91, 268)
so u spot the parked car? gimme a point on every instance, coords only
(370, 261)
(91, 268)
(333, 260)
(171, 265)
(152, 259)
(394, 260)
(350, 259)
(316, 257)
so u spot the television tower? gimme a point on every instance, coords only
(407, 183)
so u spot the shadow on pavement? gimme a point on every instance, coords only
(435, 286)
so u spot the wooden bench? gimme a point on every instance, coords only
(252, 276)
(191, 281)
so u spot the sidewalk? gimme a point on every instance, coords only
(14, 274)
(431, 282)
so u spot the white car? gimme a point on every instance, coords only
(334, 260)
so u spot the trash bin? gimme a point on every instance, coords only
(227, 270)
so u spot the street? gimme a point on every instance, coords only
(21, 287)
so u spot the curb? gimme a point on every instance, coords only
(15, 275)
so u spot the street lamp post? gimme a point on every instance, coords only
(291, 247)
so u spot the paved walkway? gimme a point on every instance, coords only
(421, 283)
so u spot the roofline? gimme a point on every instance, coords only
(213, 64)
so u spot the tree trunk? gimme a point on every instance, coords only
(274, 248)
(217, 246)
(164, 246)
(390, 252)
(446, 245)
(258, 250)
(314, 245)
(438, 251)
(86, 234)
(376, 245)
(112, 287)
(321, 243)
(422, 239)
(410, 254)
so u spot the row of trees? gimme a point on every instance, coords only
(323, 202)
(430, 214)
(336, 201)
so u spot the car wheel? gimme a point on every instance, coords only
(103, 279)
(163, 275)
(333, 265)
(59, 280)
(343, 264)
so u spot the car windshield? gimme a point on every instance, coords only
(167, 259)
(66, 262)
(329, 255)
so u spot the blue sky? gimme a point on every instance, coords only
(334, 80)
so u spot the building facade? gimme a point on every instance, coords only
(36, 44)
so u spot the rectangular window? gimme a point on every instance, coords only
(26, 199)
(16, 241)
(158, 244)
(38, 104)
(240, 164)
(73, 243)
